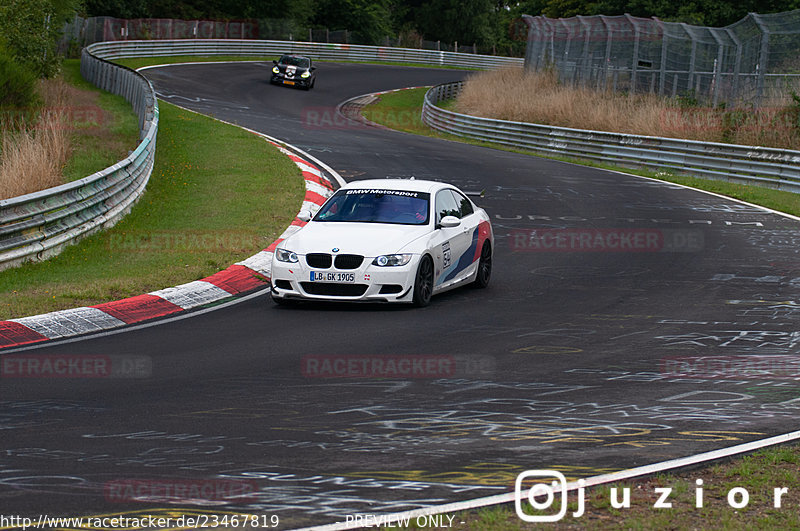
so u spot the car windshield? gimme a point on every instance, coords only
(301, 62)
(377, 206)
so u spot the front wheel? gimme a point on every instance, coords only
(423, 283)
(484, 266)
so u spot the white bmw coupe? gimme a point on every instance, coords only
(385, 240)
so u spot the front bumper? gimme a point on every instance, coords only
(298, 81)
(370, 283)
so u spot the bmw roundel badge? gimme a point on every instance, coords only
(335, 250)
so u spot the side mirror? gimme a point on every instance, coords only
(275, 62)
(304, 215)
(313, 68)
(448, 222)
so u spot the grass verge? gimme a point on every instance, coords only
(402, 111)
(104, 127)
(759, 474)
(540, 97)
(216, 196)
(77, 131)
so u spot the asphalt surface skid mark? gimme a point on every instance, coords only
(628, 322)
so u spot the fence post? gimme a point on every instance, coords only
(763, 57)
(585, 63)
(635, 59)
(717, 67)
(609, 37)
(564, 70)
(662, 69)
(692, 58)
(551, 28)
(734, 98)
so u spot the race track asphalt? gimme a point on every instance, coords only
(571, 360)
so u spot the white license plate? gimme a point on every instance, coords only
(324, 276)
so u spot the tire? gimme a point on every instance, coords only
(423, 282)
(484, 267)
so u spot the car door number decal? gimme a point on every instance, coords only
(446, 254)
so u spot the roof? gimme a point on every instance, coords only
(397, 184)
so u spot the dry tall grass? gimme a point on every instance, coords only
(33, 152)
(513, 94)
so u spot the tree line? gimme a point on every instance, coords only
(481, 22)
(29, 28)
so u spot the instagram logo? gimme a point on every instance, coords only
(541, 496)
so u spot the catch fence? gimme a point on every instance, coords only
(754, 61)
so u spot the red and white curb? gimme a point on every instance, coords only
(245, 276)
(359, 102)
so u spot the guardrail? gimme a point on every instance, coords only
(38, 225)
(315, 50)
(769, 167)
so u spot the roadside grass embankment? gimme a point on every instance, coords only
(732, 495)
(539, 97)
(217, 195)
(75, 131)
(402, 111)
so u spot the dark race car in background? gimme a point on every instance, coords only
(294, 70)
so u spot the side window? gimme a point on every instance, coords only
(446, 205)
(466, 204)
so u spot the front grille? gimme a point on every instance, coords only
(334, 290)
(348, 261)
(319, 260)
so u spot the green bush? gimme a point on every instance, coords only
(17, 84)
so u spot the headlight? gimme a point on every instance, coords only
(276, 70)
(286, 256)
(392, 260)
(305, 75)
